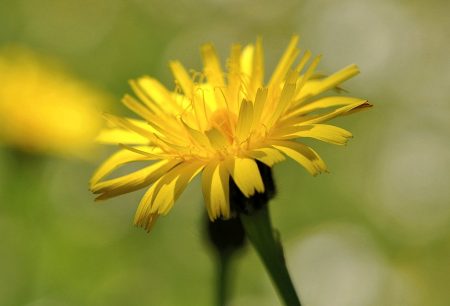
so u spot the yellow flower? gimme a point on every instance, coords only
(43, 109)
(219, 124)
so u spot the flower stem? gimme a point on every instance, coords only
(223, 267)
(226, 237)
(259, 231)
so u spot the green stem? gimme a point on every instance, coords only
(226, 237)
(259, 231)
(224, 260)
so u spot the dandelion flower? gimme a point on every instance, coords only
(43, 109)
(220, 124)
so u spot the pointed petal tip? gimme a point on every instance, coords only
(145, 222)
(174, 64)
(95, 189)
(207, 46)
(362, 106)
(295, 38)
(366, 104)
(355, 66)
(92, 184)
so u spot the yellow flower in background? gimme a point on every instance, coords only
(220, 124)
(43, 109)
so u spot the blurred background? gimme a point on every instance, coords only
(375, 231)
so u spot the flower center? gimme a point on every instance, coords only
(224, 121)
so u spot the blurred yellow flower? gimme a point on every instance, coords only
(43, 109)
(220, 124)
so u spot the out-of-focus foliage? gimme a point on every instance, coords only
(375, 231)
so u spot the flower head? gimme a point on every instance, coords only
(220, 124)
(43, 109)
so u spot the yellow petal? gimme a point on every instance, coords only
(200, 108)
(183, 78)
(132, 181)
(197, 137)
(302, 154)
(327, 133)
(245, 120)
(150, 153)
(315, 87)
(159, 93)
(285, 63)
(260, 101)
(138, 108)
(212, 67)
(216, 138)
(143, 95)
(148, 222)
(116, 160)
(207, 176)
(235, 57)
(115, 136)
(324, 103)
(246, 175)
(247, 62)
(206, 94)
(215, 185)
(138, 127)
(160, 197)
(234, 78)
(303, 61)
(338, 112)
(163, 125)
(143, 213)
(309, 73)
(257, 74)
(268, 156)
(170, 187)
(130, 125)
(285, 100)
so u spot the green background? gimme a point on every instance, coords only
(375, 231)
